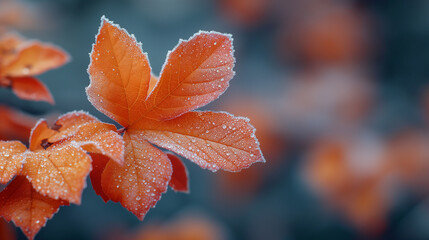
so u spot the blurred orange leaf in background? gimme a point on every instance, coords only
(15, 124)
(22, 59)
(19, 14)
(407, 155)
(330, 32)
(349, 175)
(360, 175)
(186, 227)
(247, 13)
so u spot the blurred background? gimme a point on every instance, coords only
(337, 90)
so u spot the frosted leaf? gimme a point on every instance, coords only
(211, 145)
(97, 137)
(34, 58)
(195, 73)
(139, 183)
(179, 179)
(11, 159)
(68, 124)
(30, 88)
(119, 91)
(82, 131)
(59, 172)
(29, 210)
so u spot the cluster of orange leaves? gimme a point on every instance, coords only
(123, 164)
(21, 59)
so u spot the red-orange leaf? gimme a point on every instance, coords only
(30, 88)
(15, 125)
(99, 162)
(34, 59)
(196, 72)
(120, 74)
(179, 178)
(11, 159)
(7, 232)
(213, 140)
(28, 209)
(138, 184)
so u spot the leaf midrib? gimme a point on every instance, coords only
(162, 71)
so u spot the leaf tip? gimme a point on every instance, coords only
(179, 181)
(104, 19)
(49, 99)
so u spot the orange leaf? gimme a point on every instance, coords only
(179, 178)
(196, 72)
(30, 88)
(22, 59)
(11, 160)
(152, 83)
(100, 138)
(211, 140)
(28, 209)
(68, 124)
(9, 47)
(34, 59)
(58, 172)
(85, 131)
(138, 184)
(120, 74)
(40, 132)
